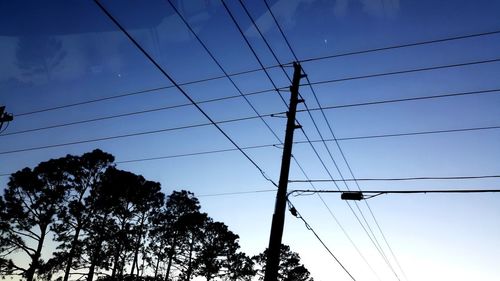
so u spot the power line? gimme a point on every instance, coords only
(297, 162)
(250, 118)
(241, 94)
(376, 244)
(132, 134)
(359, 188)
(327, 148)
(262, 36)
(130, 113)
(449, 95)
(296, 213)
(140, 92)
(237, 193)
(252, 49)
(93, 101)
(387, 101)
(348, 165)
(379, 192)
(258, 69)
(416, 133)
(403, 72)
(312, 83)
(125, 32)
(401, 179)
(404, 45)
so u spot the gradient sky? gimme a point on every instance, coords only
(56, 53)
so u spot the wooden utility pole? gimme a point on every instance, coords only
(273, 252)
(4, 117)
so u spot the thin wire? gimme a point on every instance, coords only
(281, 31)
(308, 226)
(286, 74)
(181, 90)
(401, 179)
(249, 118)
(237, 193)
(449, 95)
(326, 146)
(256, 70)
(269, 47)
(359, 188)
(403, 71)
(311, 183)
(476, 190)
(416, 133)
(404, 45)
(252, 50)
(133, 134)
(223, 70)
(140, 92)
(272, 82)
(374, 242)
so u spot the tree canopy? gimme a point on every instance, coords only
(109, 224)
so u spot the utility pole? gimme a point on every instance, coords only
(4, 117)
(273, 251)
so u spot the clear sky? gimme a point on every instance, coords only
(57, 53)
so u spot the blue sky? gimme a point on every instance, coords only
(64, 52)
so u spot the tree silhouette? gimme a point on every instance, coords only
(172, 227)
(30, 204)
(218, 256)
(85, 172)
(135, 200)
(290, 268)
(115, 225)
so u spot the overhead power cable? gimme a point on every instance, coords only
(453, 38)
(264, 39)
(254, 52)
(236, 193)
(297, 162)
(376, 244)
(184, 93)
(370, 103)
(250, 118)
(205, 47)
(342, 153)
(296, 213)
(386, 101)
(238, 27)
(403, 72)
(476, 190)
(367, 231)
(393, 47)
(135, 93)
(130, 113)
(401, 179)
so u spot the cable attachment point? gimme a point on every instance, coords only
(298, 126)
(300, 100)
(278, 115)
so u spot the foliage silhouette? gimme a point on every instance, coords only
(108, 224)
(290, 268)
